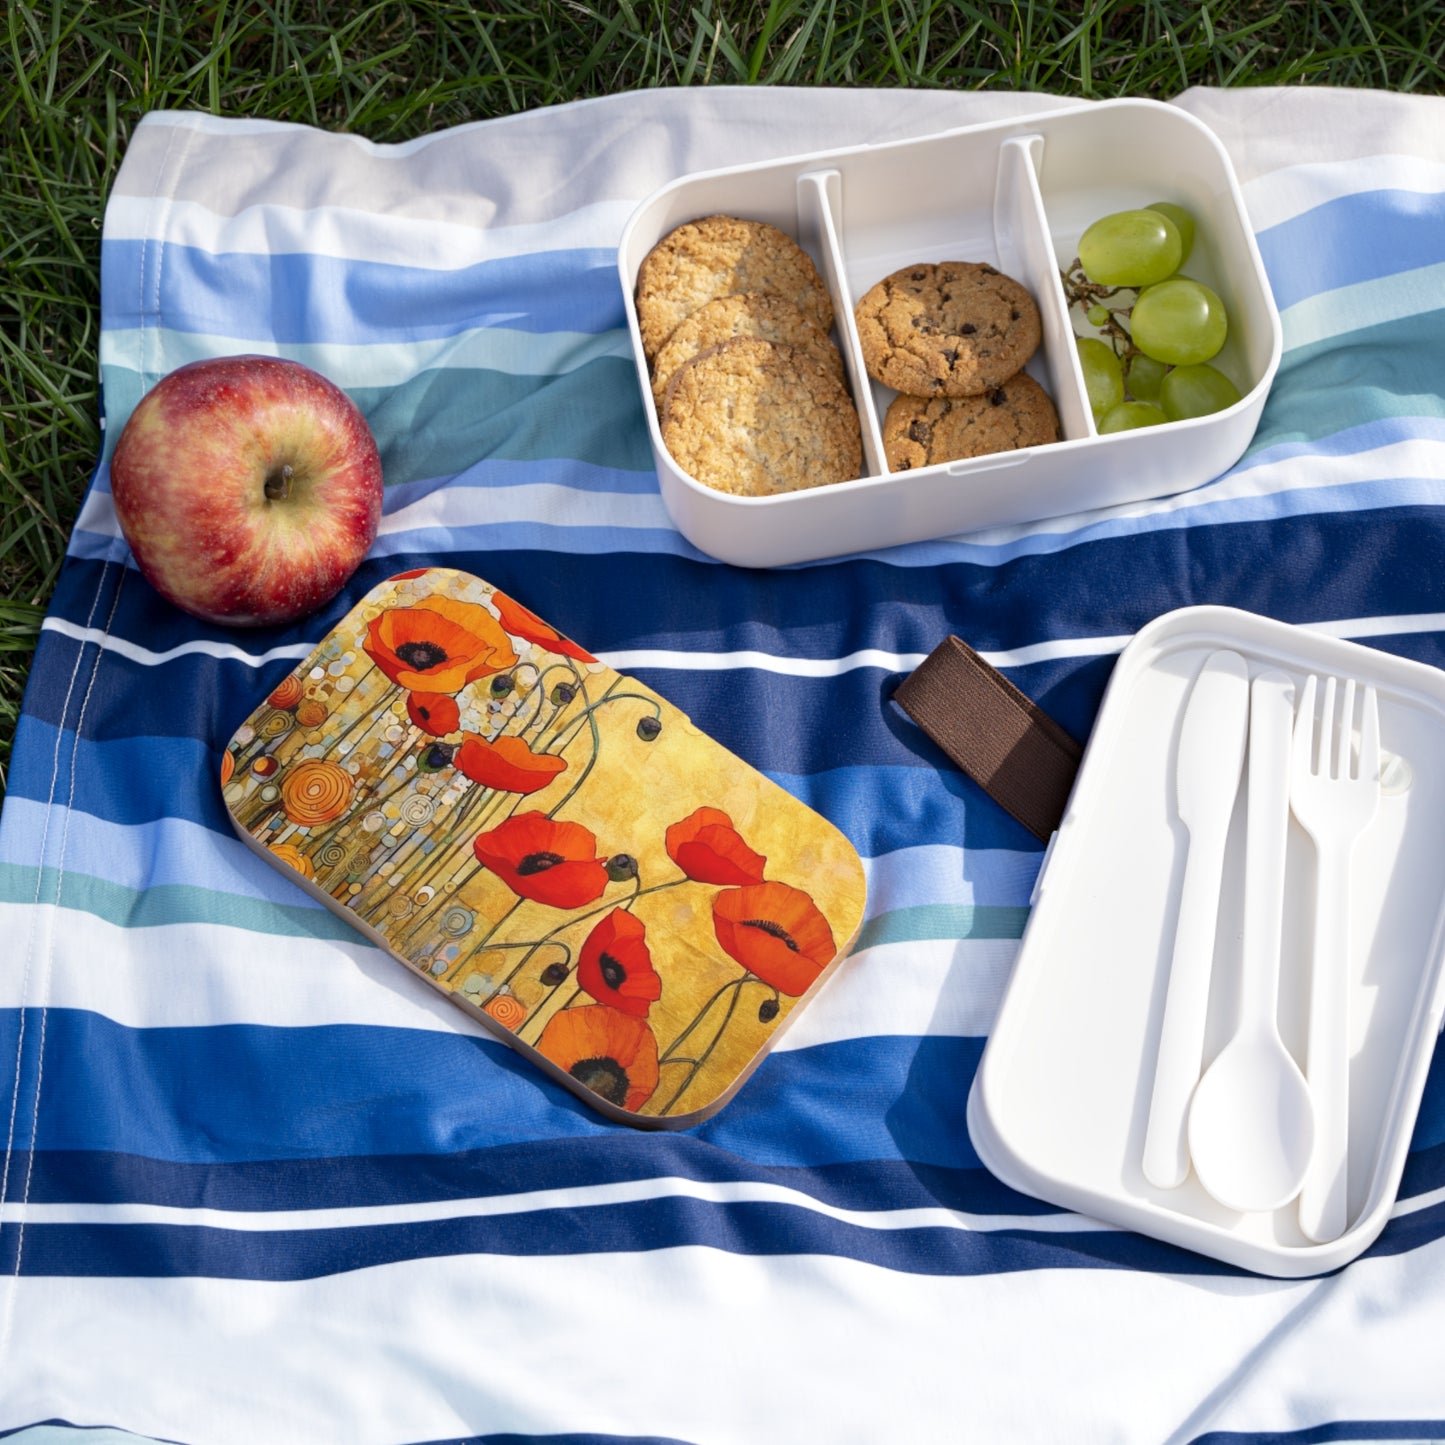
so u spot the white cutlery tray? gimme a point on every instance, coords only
(1017, 195)
(1060, 1104)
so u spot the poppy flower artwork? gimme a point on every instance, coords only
(776, 933)
(521, 622)
(615, 966)
(548, 843)
(609, 1052)
(435, 713)
(438, 645)
(508, 765)
(548, 862)
(707, 847)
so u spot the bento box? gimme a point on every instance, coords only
(1070, 1096)
(1015, 195)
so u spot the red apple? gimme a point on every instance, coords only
(248, 488)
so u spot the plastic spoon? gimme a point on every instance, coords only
(1251, 1122)
(1211, 754)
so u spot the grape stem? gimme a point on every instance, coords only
(1085, 294)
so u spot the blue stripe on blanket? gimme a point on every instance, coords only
(334, 1091)
(1353, 238)
(367, 1181)
(757, 1229)
(623, 601)
(1336, 1432)
(152, 1251)
(297, 297)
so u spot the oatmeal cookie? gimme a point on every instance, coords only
(918, 432)
(717, 256)
(748, 313)
(956, 328)
(752, 418)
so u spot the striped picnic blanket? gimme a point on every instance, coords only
(258, 1185)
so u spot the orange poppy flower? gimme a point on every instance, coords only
(707, 847)
(615, 966)
(775, 932)
(546, 861)
(433, 712)
(508, 764)
(228, 766)
(607, 1051)
(522, 623)
(439, 645)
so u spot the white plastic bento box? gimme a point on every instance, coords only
(1016, 195)
(1060, 1105)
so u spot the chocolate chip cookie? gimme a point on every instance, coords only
(717, 256)
(749, 313)
(918, 432)
(752, 417)
(955, 328)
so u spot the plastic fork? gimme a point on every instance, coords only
(1334, 794)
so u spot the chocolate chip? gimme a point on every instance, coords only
(988, 270)
(921, 432)
(967, 329)
(917, 275)
(996, 397)
(949, 357)
(1013, 316)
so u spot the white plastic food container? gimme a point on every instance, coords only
(1060, 1104)
(1016, 195)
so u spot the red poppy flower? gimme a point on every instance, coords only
(508, 764)
(438, 645)
(546, 861)
(775, 932)
(433, 712)
(522, 623)
(707, 847)
(407, 576)
(607, 1051)
(615, 966)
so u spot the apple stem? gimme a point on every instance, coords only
(278, 484)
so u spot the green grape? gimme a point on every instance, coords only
(1183, 223)
(1179, 322)
(1196, 391)
(1103, 376)
(1098, 315)
(1131, 414)
(1130, 248)
(1144, 376)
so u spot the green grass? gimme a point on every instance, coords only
(75, 78)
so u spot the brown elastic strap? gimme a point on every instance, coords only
(1008, 745)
